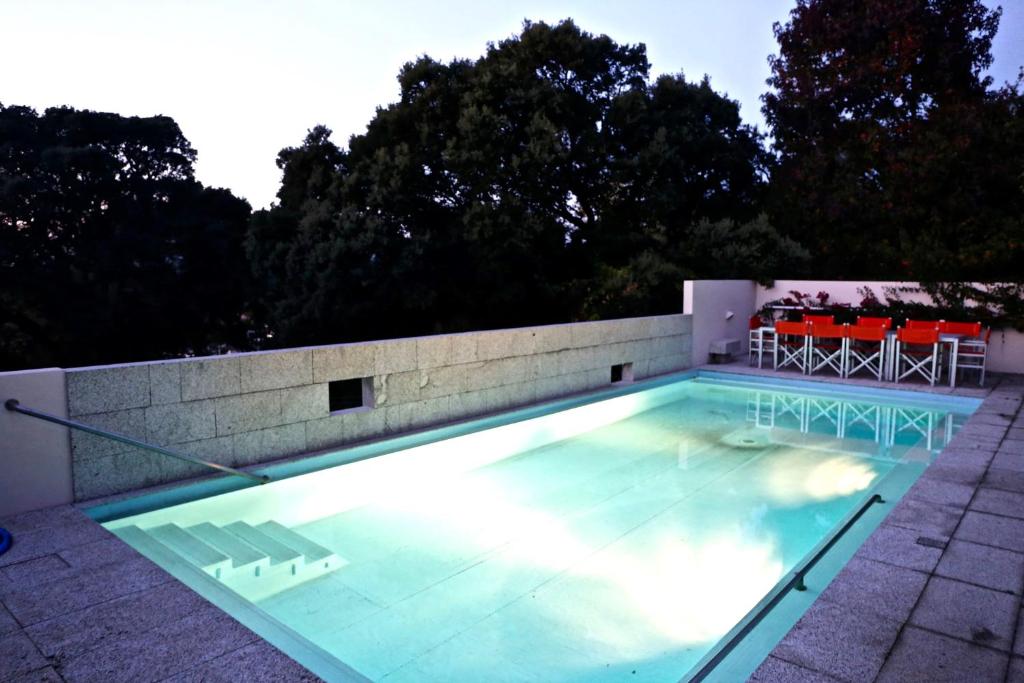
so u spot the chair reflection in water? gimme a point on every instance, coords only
(842, 419)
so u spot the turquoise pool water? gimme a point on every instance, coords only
(620, 539)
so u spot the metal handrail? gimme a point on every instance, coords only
(14, 405)
(796, 582)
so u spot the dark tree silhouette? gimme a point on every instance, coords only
(548, 180)
(110, 250)
(896, 158)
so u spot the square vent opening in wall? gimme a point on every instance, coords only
(350, 394)
(623, 372)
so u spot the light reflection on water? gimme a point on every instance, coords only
(648, 563)
(623, 550)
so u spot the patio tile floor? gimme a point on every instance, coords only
(924, 657)
(78, 604)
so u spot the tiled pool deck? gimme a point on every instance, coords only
(933, 595)
(77, 604)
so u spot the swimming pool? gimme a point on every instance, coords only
(619, 536)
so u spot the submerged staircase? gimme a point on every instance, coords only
(256, 561)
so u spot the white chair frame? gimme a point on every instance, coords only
(762, 341)
(927, 366)
(798, 356)
(860, 359)
(823, 358)
(972, 354)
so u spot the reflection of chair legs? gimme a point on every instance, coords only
(920, 421)
(794, 406)
(867, 416)
(761, 411)
(830, 411)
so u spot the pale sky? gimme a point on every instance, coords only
(244, 78)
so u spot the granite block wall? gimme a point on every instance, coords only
(242, 409)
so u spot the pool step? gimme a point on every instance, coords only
(311, 552)
(278, 552)
(254, 561)
(244, 557)
(193, 549)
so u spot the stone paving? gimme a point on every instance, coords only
(933, 595)
(78, 604)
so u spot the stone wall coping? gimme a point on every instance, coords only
(369, 342)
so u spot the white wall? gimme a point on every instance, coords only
(35, 467)
(840, 291)
(710, 302)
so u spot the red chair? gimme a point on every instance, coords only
(827, 347)
(865, 349)
(791, 340)
(966, 329)
(819, 319)
(918, 348)
(923, 324)
(868, 321)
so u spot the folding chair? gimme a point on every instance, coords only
(966, 329)
(919, 349)
(791, 343)
(972, 353)
(868, 321)
(827, 347)
(865, 350)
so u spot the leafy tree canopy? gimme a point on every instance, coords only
(505, 191)
(896, 158)
(110, 250)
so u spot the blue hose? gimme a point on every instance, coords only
(5, 541)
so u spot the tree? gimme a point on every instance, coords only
(110, 250)
(504, 191)
(895, 158)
